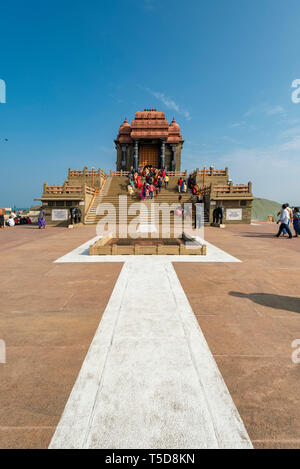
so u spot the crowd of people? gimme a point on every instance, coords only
(148, 181)
(14, 220)
(287, 217)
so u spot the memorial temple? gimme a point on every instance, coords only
(149, 140)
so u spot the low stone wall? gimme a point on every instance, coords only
(102, 247)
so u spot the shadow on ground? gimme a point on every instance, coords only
(289, 303)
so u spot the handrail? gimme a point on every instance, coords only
(87, 172)
(92, 201)
(65, 189)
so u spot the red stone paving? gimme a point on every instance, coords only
(249, 313)
(48, 317)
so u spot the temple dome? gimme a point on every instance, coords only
(124, 132)
(174, 127)
(174, 132)
(124, 128)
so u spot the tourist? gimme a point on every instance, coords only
(159, 183)
(143, 193)
(151, 190)
(41, 219)
(138, 181)
(130, 189)
(10, 221)
(179, 183)
(284, 222)
(166, 181)
(296, 221)
(290, 212)
(2, 224)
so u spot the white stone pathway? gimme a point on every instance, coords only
(149, 379)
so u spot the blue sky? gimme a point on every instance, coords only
(73, 70)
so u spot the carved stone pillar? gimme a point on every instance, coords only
(124, 157)
(173, 162)
(136, 154)
(162, 154)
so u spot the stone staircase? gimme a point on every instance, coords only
(117, 186)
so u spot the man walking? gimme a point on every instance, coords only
(284, 222)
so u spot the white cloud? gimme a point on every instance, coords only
(170, 103)
(272, 111)
(267, 109)
(231, 140)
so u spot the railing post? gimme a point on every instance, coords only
(69, 173)
(250, 187)
(110, 173)
(84, 171)
(64, 188)
(230, 187)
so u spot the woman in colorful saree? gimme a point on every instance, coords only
(296, 221)
(143, 192)
(41, 219)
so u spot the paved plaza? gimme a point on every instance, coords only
(147, 375)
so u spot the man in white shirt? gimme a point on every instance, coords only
(10, 221)
(284, 222)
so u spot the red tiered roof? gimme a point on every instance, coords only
(151, 124)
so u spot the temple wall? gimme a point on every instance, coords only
(214, 180)
(50, 205)
(129, 157)
(233, 204)
(178, 157)
(81, 180)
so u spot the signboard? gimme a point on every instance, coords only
(60, 215)
(213, 202)
(234, 214)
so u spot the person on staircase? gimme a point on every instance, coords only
(179, 184)
(159, 183)
(151, 190)
(143, 193)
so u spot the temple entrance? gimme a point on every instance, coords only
(149, 155)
